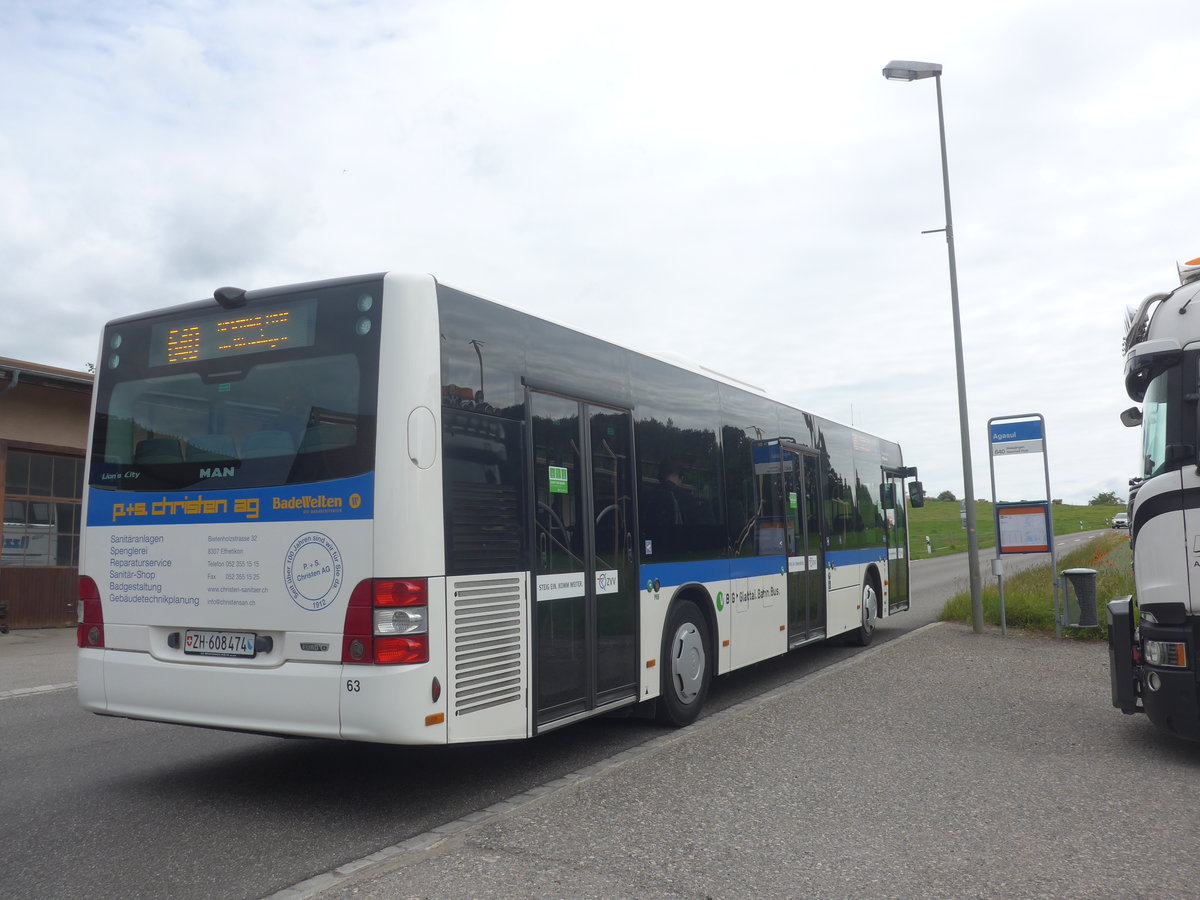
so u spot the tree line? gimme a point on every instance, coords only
(1104, 498)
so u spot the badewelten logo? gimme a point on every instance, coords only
(312, 570)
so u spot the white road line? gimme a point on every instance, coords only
(40, 689)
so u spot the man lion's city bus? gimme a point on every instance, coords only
(382, 509)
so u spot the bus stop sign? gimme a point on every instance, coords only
(1017, 437)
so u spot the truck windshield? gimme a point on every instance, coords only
(275, 404)
(1154, 425)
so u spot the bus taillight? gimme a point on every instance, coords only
(90, 631)
(387, 622)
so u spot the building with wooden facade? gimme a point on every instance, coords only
(43, 439)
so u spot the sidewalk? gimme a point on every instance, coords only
(941, 764)
(36, 658)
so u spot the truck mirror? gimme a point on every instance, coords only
(1132, 417)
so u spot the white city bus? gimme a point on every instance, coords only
(382, 509)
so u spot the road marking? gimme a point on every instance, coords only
(40, 689)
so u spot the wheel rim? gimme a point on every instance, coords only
(687, 662)
(868, 609)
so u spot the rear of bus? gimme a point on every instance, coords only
(244, 562)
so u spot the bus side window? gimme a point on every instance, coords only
(484, 486)
(676, 518)
(656, 507)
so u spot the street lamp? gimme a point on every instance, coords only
(907, 70)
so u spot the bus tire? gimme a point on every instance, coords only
(865, 632)
(686, 668)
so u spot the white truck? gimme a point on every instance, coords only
(1153, 642)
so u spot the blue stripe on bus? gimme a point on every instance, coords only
(709, 570)
(706, 571)
(344, 498)
(856, 557)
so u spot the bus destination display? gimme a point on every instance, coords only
(227, 333)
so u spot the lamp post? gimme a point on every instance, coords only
(907, 70)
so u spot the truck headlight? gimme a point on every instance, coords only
(1165, 653)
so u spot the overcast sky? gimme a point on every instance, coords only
(731, 182)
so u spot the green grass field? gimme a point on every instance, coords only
(941, 523)
(1029, 595)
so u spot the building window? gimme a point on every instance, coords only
(42, 502)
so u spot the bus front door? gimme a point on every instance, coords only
(806, 553)
(585, 619)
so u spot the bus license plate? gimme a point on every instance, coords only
(219, 643)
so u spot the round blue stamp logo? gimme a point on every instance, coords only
(312, 570)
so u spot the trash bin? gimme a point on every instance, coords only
(1083, 585)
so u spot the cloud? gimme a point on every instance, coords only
(735, 184)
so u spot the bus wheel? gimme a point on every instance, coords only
(870, 605)
(686, 671)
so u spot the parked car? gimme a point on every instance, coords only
(1120, 520)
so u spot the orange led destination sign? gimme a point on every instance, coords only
(222, 333)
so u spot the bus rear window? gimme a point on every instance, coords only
(287, 422)
(280, 391)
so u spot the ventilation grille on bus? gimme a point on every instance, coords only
(487, 633)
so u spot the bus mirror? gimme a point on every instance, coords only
(1132, 417)
(916, 494)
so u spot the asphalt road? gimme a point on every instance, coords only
(99, 807)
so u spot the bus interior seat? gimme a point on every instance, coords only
(210, 448)
(328, 437)
(153, 451)
(267, 443)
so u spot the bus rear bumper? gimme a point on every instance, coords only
(298, 699)
(385, 704)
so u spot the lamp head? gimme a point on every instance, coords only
(908, 70)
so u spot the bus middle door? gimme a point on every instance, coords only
(806, 555)
(585, 617)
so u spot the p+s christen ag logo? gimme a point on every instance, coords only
(312, 571)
